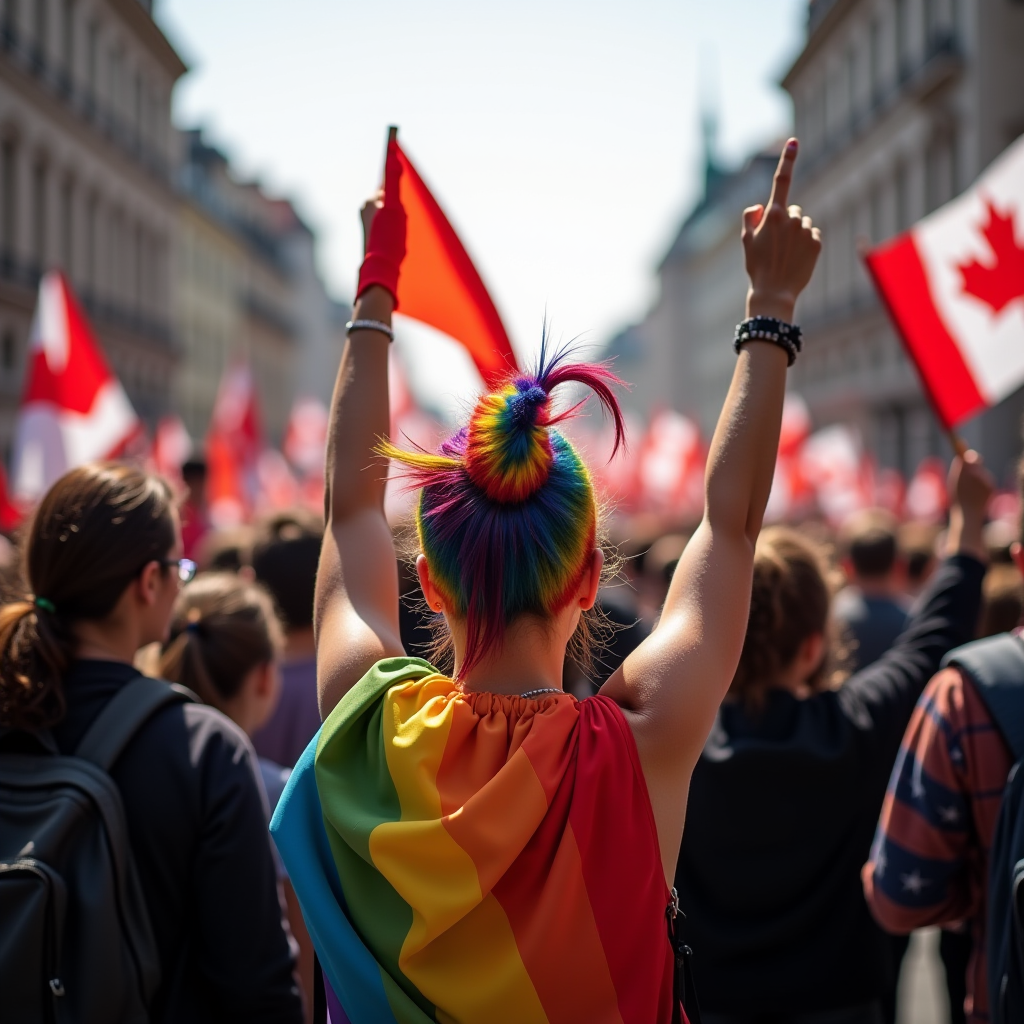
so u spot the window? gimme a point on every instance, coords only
(39, 218)
(9, 196)
(68, 37)
(9, 25)
(8, 351)
(901, 184)
(67, 225)
(91, 249)
(91, 57)
(41, 30)
(137, 111)
(875, 60)
(902, 14)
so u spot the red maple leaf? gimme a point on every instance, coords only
(1001, 280)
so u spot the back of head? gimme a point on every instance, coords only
(508, 518)
(285, 556)
(94, 531)
(223, 627)
(868, 539)
(789, 602)
(228, 549)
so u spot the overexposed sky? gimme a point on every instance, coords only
(561, 137)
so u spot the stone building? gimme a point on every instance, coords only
(247, 288)
(899, 105)
(681, 355)
(87, 184)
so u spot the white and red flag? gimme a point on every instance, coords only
(73, 408)
(172, 447)
(954, 285)
(234, 444)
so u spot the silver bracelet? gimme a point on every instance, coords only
(370, 325)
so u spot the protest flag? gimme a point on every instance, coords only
(73, 408)
(439, 285)
(954, 286)
(234, 443)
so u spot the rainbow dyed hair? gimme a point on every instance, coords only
(507, 517)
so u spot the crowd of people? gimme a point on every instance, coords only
(493, 771)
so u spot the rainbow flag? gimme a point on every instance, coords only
(477, 858)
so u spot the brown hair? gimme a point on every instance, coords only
(223, 627)
(94, 531)
(789, 602)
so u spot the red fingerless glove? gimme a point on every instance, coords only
(385, 248)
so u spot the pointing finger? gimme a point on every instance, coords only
(784, 175)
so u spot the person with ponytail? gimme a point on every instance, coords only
(225, 645)
(476, 845)
(786, 794)
(102, 565)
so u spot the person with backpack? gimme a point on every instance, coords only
(136, 876)
(951, 832)
(785, 796)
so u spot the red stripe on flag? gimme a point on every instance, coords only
(440, 286)
(899, 275)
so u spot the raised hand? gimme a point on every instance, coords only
(781, 246)
(384, 232)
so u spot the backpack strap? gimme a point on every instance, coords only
(995, 666)
(124, 714)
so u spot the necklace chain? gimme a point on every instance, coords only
(543, 689)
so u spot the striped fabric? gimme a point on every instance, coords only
(929, 859)
(470, 857)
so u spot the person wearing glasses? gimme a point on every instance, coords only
(103, 567)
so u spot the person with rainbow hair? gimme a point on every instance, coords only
(482, 847)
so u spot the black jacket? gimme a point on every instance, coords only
(202, 851)
(782, 810)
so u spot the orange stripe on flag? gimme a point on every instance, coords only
(440, 286)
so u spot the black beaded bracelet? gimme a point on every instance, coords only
(769, 328)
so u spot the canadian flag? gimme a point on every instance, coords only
(73, 409)
(954, 285)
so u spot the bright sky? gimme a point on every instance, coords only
(560, 136)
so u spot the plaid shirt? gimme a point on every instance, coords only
(929, 860)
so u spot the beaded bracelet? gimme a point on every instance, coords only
(769, 328)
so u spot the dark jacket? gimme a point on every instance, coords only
(199, 837)
(782, 809)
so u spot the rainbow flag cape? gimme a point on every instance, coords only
(477, 858)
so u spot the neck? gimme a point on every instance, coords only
(881, 586)
(299, 644)
(103, 641)
(531, 657)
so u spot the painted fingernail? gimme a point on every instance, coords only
(791, 145)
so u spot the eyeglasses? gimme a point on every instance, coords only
(187, 569)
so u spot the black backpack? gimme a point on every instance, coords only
(996, 668)
(76, 942)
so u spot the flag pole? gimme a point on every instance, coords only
(863, 248)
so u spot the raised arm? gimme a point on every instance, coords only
(671, 685)
(356, 608)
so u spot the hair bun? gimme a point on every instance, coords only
(508, 452)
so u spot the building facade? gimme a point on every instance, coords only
(681, 355)
(899, 105)
(87, 158)
(247, 288)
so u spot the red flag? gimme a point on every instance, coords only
(439, 284)
(954, 286)
(73, 409)
(233, 446)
